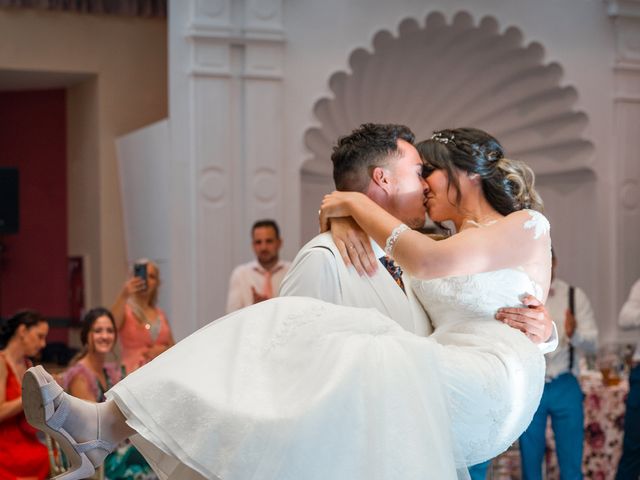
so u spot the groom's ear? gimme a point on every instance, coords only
(380, 176)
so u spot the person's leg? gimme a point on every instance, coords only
(629, 466)
(567, 422)
(532, 442)
(479, 471)
(113, 424)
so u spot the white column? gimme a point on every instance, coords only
(263, 112)
(225, 81)
(626, 143)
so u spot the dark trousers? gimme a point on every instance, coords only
(479, 471)
(629, 466)
(562, 400)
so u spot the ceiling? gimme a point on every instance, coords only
(19, 80)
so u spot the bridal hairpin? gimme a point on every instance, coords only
(440, 137)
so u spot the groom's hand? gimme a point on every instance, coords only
(533, 320)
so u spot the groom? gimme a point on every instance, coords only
(381, 162)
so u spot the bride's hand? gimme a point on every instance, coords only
(354, 245)
(336, 204)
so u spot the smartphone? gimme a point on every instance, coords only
(140, 271)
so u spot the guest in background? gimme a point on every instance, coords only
(260, 279)
(91, 375)
(22, 455)
(629, 466)
(562, 396)
(143, 327)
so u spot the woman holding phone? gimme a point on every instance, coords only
(142, 326)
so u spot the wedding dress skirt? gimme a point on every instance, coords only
(299, 389)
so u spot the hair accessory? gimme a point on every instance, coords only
(440, 137)
(393, 238)
(494, 156)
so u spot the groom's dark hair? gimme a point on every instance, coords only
(356, 155)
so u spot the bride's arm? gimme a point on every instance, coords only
(516, 240)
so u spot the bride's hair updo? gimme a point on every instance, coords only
(508, 185)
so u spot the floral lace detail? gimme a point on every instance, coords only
(508, 368)
(473, 299)
(287, 328)
(538, 222)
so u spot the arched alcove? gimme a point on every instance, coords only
(443, 74)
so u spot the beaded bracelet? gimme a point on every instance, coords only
(393, 238)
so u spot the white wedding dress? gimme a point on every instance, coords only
(299, 389)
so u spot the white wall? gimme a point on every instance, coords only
(576, 34)
(143, 165)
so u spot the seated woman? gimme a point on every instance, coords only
(91, 375)
(22, 455)
(295, 388)
(143, 327)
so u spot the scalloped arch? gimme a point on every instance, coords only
(438, 75)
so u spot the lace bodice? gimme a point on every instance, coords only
(478, 296)
(474, 297)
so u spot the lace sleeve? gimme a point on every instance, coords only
(538, 223)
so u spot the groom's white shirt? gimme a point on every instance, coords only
(318, 271)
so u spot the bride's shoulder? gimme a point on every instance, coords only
(528, 219)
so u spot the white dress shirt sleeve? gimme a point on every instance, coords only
(313, 274)
(236, 289)
(552, 343)
(585, 336)
(630, 314)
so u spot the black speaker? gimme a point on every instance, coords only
(9, 200)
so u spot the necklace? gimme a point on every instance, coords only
(480, 224)
(142, 317)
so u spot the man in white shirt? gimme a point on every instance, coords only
(260, 279)
(629, 466)
(374, 160)
(562, 396)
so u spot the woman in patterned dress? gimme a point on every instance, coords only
(91, 375)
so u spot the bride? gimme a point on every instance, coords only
(295, 388)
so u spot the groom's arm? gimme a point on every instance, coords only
(534, 320)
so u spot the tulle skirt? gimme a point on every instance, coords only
(299, 389)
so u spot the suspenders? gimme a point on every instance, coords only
(572, 309)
